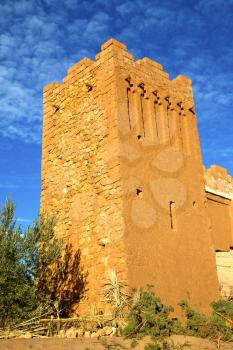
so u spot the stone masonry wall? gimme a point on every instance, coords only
(78, 185)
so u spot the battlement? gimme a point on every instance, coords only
(115, 51)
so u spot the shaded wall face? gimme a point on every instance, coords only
(166, 228)
(219, 214)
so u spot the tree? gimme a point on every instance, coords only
(35, 269)
(16, 281)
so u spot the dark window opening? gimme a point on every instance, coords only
(171, 206)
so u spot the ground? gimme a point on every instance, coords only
(110, 343)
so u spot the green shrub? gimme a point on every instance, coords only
(222, 318)
(153, 346)
(218, 324)
(223, 307)
(149, 316)
(158, 346)
(197, 324)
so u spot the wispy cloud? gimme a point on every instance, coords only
(8, 186)
(213, 5)
(14, 181)
(26, 221)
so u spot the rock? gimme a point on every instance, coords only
(107, 330)
(94, 335)
(101, 332)
(80, 332)
(27, 335)
(114, 330)
(87, 334)
(71, 332)
(62, 334)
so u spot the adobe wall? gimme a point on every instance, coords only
(224, 262)
(122, 171)
(166, 233)
(219, 194)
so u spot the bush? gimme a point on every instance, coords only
(218, 325)
(197, 324)
(149, 316)
(158, 346)
(222, 318)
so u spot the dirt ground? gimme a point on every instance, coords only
(109, 343)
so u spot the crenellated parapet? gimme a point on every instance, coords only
(114, 51)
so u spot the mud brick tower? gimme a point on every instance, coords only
(122, 171)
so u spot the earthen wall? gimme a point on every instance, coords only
(219, 195)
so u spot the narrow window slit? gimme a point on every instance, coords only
(168, 118)
(128, 107)
(180, 120)
(142, 94)
(156, 122)
(171, 206)
(156, 102)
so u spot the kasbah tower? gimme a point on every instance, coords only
(122, 171)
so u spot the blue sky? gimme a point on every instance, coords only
(40, 39)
